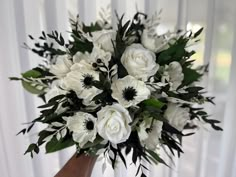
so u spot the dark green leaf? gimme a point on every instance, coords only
(156, 157)
(154, 103)
(194, 89)
(31, 74)
(22, 131)
(143, 175)
(56, 98)
(198, 32)
(31, 148)
(55, 145)
(190, 76)
(15, 78)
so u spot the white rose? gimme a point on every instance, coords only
(62, 66)
(149, 133)
(79, 56)
(153, 42)
(173, 75)
(104, 38)
(177, 116)
(129, 91)
(80, 80)
(113, 123)
(83, 127)
(139, 62)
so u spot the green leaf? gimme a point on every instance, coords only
(194, 89)
(94, 143)
(198, 32)
(32, 148)
(56, 98)
(156, 157)
(27, 86)
(143, 175)
(154, 103)
(15, 78)
(32, 89)
(213, 123)
(31, 74)
(22, 131)
(42, 135)
(190, 76)
(55, 145)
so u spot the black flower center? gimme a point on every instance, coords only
(89, 125)
(87, 81)
(129, 93)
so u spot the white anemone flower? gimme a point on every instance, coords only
(177, 116)
(129, 91)
(83, 127)
(104, 38)
(149, 133)
(80, 80)
(173, 75)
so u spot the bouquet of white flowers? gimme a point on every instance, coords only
(109, 89)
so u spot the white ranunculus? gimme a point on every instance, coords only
(153, 42)
(80, 80)
(104, 38)
(149, 133)
(177, 116)
(173, 75)
(83, 127)
(139, 62)
(129, 91)
(113, 123)
(62, 66)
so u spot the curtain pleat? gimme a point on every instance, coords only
(218, 47)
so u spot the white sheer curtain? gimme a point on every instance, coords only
(208, 153)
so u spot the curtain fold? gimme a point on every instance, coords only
(218, 47)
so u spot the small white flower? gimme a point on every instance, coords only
(83, 127)
(153, 42)
(129, 91)
(104, 38)
(149, 133)
(80, 80)
(62, 66)
(113, 123)
(139, 62)
(177, 116)
(173, 75)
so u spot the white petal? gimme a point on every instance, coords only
(57, 124)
